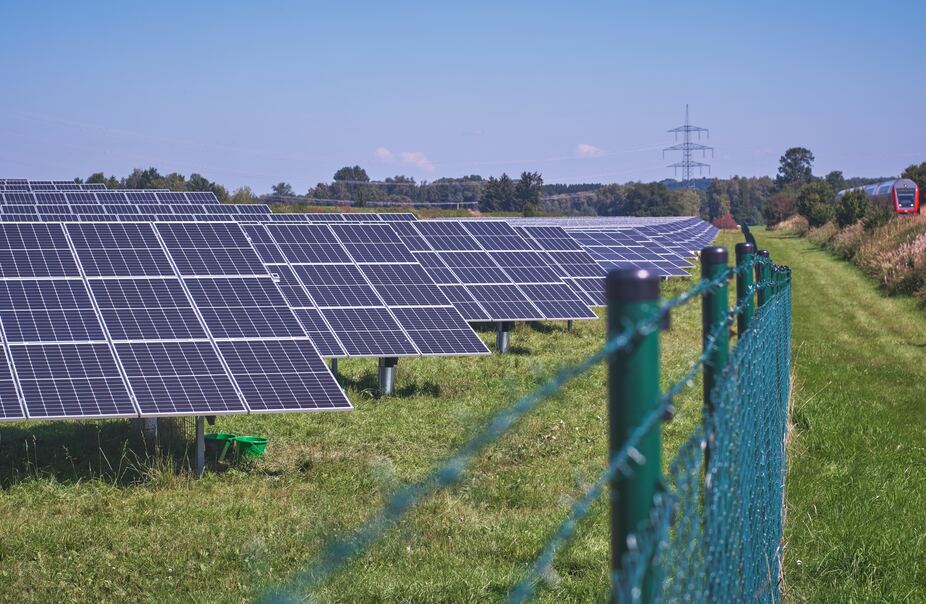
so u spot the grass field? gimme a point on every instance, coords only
(856, 490)
(86, 517)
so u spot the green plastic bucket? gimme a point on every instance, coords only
(251, 447)
(220, 444)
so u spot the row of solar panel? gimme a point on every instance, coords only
(123, 320)
(48, 185)
(133, 196)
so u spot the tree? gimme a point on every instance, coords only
(352, 173)
(851, 207)
(283, 189)
(815, 203)
(99, 178)
(243, 195)
(779, 207)
(498, 195)
(795, 166)
(687, 202)
(917, 173)
(835, 180)
(527, 192)
(717, 202)
(144, 179)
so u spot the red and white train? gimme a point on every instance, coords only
(902, 195)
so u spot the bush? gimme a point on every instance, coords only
(851, 207)
(893, 254)
(725, 222)
(847, 241)
(822, 235)
(796, 225)
(814, 202)
(877, 217)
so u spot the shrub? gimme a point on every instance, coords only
(851, 207)
(725, 222)
(814, 202)
(847, 241)
(796, 225)
(895, 255)
(877, 217)
(822, 235)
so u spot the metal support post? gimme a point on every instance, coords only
(387, 375)
(763, 277)
(502, 336)
(745, 279)
(633, 395)
(200, 462)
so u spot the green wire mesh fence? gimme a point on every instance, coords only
(709, 527)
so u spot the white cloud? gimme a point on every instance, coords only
(416, 159)
(586, 150)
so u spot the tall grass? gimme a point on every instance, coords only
(894, 254)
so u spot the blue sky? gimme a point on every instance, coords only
(252, 93)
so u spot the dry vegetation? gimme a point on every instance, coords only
(893, 254)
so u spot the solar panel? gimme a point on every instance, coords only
(210, 249)
(49, 310)
(179, 378)
(35, 250)
(71, 380)
(119, 250)
(10, 407)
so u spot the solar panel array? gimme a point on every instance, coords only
(19, 184)
(135, 319)
(151, 303)
(359, 291)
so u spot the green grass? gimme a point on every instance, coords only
(87, 517)
(856, 486)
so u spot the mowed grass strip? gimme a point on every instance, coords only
(856, 485)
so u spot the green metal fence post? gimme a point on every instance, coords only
(714, 309)
(763, 277)
(633, 394)
(745, 254)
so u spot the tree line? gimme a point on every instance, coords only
(737, 200)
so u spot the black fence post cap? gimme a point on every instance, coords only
(632, 285)
(714, 255)
(763, 253)
(744, 248)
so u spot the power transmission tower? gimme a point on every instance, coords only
(687, 147)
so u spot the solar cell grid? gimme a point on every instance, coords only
(210, 249)
(439, 331)
(35, 250)
(446, 236)
(369, 332)
(48, 311)
(146, 309)
(71, 380)
(179, 378)
(291, 377)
